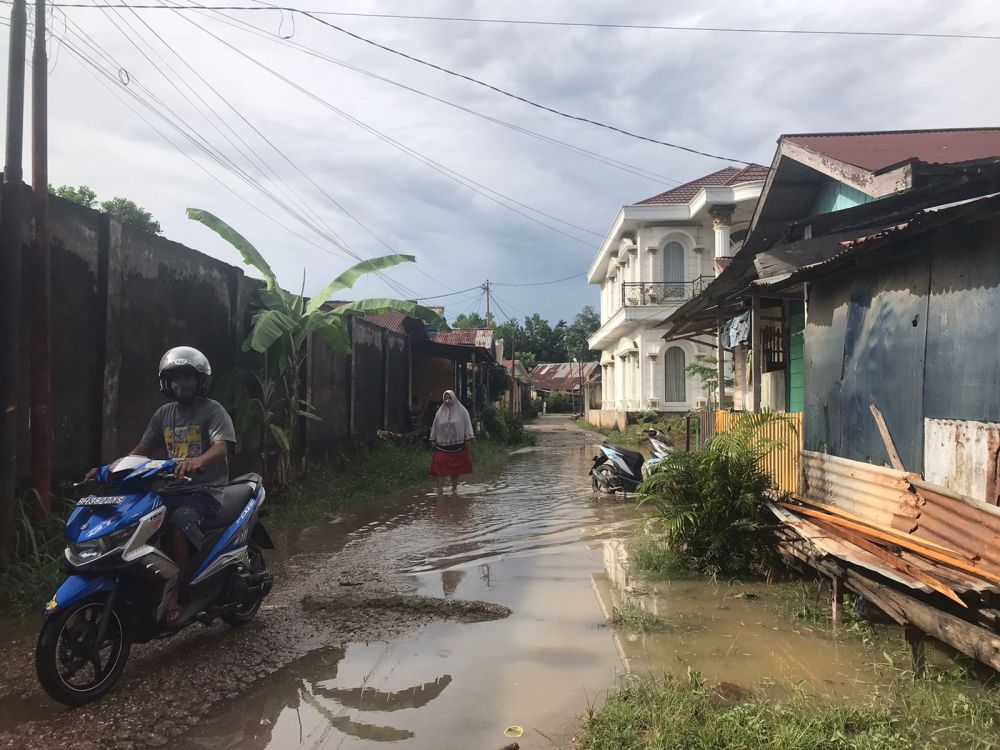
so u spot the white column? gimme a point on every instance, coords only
(722, 220)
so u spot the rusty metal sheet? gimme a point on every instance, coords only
(959, 522)
(564, 376)
(843, 550)
(957, 454)
(879, 494)
(874, 151)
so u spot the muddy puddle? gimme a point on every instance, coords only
(533, 539)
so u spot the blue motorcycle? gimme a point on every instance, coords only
(119, 578)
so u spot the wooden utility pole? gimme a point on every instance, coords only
(11, 229)
(41, 275)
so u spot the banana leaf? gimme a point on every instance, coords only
(347, 278)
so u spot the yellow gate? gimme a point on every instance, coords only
(782, 463)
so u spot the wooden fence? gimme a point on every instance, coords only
(782, 463)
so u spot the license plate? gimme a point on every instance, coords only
(103, 500)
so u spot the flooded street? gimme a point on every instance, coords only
(533, 539)
(539, 542)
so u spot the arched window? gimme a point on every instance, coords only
(673, 269)
(676, 390)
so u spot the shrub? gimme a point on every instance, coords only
(650, 416)
(502, 426)
(710, 503)
(559, 402)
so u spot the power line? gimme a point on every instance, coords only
(569, 24)
(452, 294)
(504, 92)
(463, 76)
(467, 182)
(217, 156)
(398, 287)
(542, 283)
(587, 153)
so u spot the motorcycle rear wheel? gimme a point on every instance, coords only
(244, 612)
(70, 666)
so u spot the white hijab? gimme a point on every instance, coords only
(452, 424)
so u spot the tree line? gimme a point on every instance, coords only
(537, 340)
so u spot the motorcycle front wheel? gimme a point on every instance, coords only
(603, 479)
(72, 667)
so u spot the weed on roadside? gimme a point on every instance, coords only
(635, 619)
(30, 572)
(682, 714)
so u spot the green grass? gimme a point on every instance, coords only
(635, 619)
(654, 558)
(635, 434)
(689, 715)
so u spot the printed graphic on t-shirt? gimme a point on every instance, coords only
(183, 442)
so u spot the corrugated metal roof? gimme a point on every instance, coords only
(728, 176)
(478, 337)
(564, 376)
(392, 321)
(877, 150)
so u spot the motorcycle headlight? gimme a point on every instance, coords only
(94, 548)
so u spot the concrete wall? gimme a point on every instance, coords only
(121, 297)
(607, 419)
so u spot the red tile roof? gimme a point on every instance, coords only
(729, 176)
(878, 150)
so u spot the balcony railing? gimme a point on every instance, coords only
(662, 292)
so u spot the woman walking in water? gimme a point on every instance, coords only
(450, 436)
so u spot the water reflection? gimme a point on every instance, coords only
(737, 632)
(298, 706)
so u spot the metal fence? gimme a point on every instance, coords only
(662, 292)
(782, 463)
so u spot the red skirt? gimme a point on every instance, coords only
(451, 464)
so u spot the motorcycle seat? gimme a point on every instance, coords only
(234, 500)
(632, 455)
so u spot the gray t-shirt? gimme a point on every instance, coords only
(188, 431)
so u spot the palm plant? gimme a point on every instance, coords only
(284, 323)
(709, 503)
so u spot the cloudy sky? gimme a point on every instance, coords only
(405, 165)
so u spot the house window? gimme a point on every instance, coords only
(676, 389)
(673, 269)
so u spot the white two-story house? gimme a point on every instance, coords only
(658, 254)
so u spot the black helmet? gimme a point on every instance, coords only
(181, 357)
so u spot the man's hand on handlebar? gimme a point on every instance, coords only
(188, 468)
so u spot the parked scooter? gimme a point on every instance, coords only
(662, 446)
(116, 593)
(619, 469)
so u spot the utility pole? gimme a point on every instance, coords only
(41, 274)
(11, 228)
(513, 378)
(489, 316)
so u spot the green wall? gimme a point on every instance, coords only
(796, 381)
(835, 196)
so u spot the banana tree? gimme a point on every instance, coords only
(286, 320)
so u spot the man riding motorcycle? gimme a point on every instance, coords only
(198, 432)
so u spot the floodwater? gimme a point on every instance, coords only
(537, 540)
